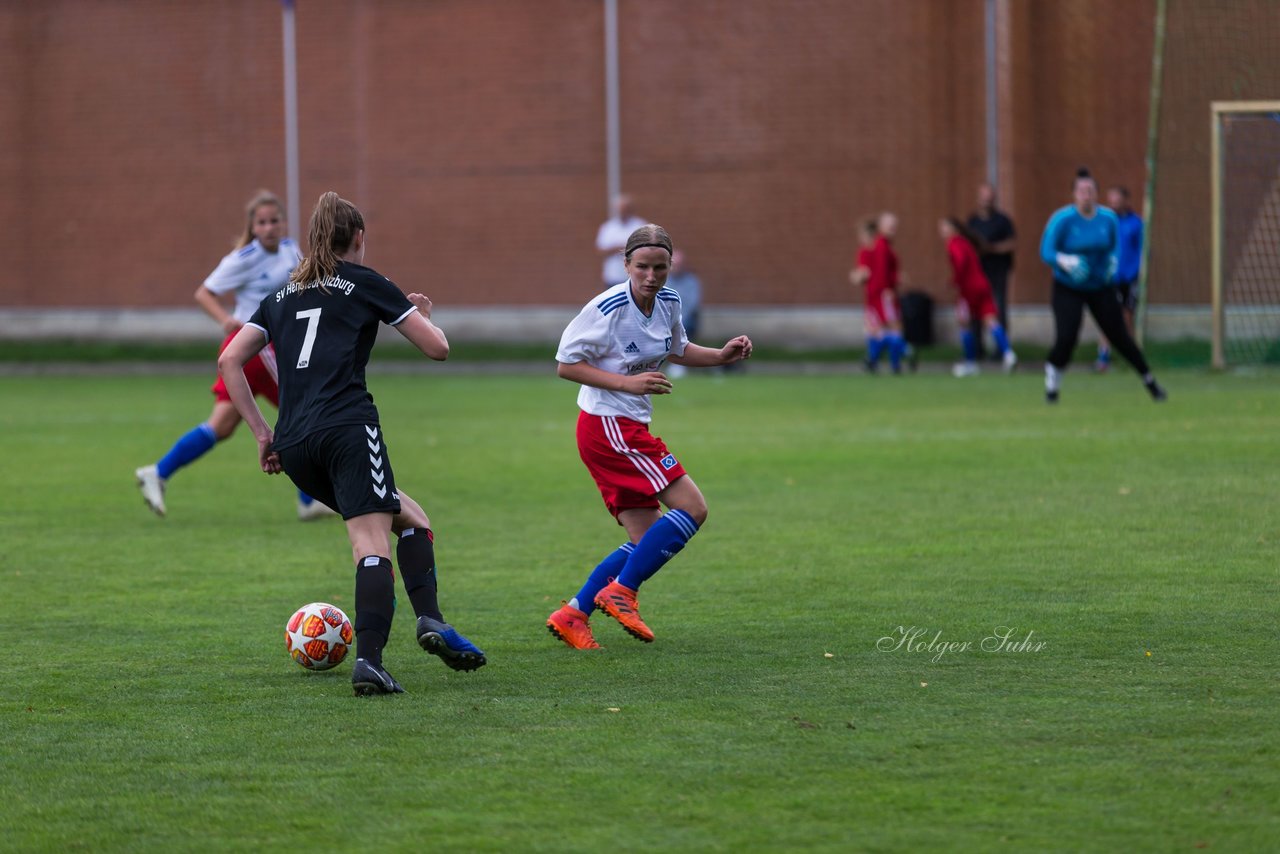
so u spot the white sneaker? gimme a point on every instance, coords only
(152, 486)
(314, 510)
(1010, 361)
(965, 369)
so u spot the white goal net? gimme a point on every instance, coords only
(1246, 238)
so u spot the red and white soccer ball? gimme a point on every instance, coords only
(318, 636)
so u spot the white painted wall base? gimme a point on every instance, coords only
(811, 326)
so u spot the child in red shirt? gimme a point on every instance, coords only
(974, 297)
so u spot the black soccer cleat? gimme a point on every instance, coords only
(442, 640)
(1157, 392)
(1051, 396)
(369, 679)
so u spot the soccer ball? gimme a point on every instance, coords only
(318, 636)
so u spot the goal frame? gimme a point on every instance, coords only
(1218, 109)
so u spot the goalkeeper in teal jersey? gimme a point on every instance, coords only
(1079, 245)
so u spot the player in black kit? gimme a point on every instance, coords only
(328, 438)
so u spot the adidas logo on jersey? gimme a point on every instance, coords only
(632, 348)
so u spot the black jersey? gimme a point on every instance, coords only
(323, 333)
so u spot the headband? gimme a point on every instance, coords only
(651, 245)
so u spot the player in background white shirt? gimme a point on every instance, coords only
(615, 349)
(612, 237)
(259, 264)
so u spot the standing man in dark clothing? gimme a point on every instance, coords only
(996, 254)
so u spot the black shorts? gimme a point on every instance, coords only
(345, 467)
(1128, 295)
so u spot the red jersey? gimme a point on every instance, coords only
(884, 269)
(967, 276)
(966, 271)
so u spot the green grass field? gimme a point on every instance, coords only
(148, 702)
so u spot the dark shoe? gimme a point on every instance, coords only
(1157, 392)
(442, 640)
(1051, 396)
(369, 679)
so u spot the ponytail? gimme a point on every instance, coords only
(975, 240)
(334, 224)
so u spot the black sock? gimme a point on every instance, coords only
(416, 554)
(375, 606)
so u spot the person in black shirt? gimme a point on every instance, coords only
(323, 324)
(995, 253)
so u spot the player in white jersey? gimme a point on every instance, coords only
(260, 263)
(615, 349)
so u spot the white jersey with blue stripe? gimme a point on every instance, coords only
(613, 334)
(253, 272)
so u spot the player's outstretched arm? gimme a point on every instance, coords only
(247, 344)
(650, 382)
(697, 356)
(214, 306)
(422, 333)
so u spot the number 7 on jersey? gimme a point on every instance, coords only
(312, 316)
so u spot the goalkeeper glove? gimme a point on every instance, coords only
(1076, 268)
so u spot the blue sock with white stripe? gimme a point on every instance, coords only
(608, 570)
(660, 543)
(191, 447)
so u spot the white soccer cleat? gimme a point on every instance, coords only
(314, 510)
(152, 486)
(1010, 361)
(965, 369)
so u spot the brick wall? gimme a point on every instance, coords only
(471, 133)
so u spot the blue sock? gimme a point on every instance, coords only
(1002, 340)
(897, 349)
(191, 447)
(1104, 355)
(970, 345)
(608, 570)
(659, 544)
(874, 346)
(305, 499)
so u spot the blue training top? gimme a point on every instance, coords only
(1093, 238)
(1129, 248)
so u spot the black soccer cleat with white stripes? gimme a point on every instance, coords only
(368, 679)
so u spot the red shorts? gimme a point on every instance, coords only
(881, 310)
(261, 379)
(978, 303)
(630, 465)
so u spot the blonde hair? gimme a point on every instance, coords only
(647, 235)
(334, 224)
(260, 198)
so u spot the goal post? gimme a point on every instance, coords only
(1245, 220)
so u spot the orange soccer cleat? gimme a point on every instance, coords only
(570, 625)
(620, 603)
